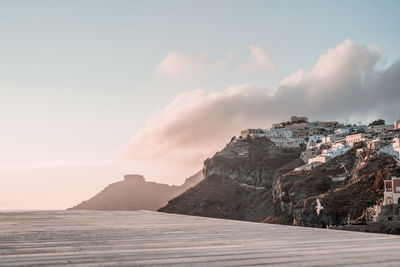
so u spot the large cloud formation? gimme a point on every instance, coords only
(347, 83)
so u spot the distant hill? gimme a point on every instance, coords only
(135, 193)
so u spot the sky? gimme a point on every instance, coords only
(93, 90)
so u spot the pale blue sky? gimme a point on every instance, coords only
(78, 74)
(79, 78)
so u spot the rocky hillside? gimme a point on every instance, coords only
(331, 193)
(239, 181)
(135, 193)
(253, 180)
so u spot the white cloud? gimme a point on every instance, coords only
(177, 65)
(259, 61)
(345, 83)
(225, 62)
(345, 61)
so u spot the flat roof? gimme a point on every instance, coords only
(143, 238)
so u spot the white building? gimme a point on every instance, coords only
(375, 144)
(396, 147)
(337, 149)
(280, 132)
(322, 159)
(392, 191)
(397, 124)
(342, 131)
(339, 145)
(380, 128)
(286, 142)
(331, 138)
(355, 138)
(316, 138)
(252, 132)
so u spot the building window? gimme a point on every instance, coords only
(397, 188)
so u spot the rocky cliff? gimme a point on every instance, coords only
(344, 188)
(254, 180)
(135, 193)
(239, 181)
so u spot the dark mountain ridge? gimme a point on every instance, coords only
(135, 193)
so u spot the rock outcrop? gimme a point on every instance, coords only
(135, 193)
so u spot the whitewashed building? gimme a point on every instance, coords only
(396, 124)
(337, 149)
(396, 147)
(252, 132)
(392, 191)
(331, 138)
(286, 142)
(380, 128)
(280, 132)
(355, 138)
(342, 131)
(375, 144)
(320, 158)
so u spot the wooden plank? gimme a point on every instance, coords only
(142, 238)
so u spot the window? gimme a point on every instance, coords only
(397, 188)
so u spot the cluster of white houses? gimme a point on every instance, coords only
(325, 140)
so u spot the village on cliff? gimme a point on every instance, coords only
(324, 140)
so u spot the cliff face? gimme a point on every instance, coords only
(135, 193)
(362, 188)
(253, 180)
(239, 181)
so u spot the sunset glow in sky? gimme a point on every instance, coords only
(93, 90)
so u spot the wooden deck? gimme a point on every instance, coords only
(141, 238)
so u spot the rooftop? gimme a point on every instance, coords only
(141, 238)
